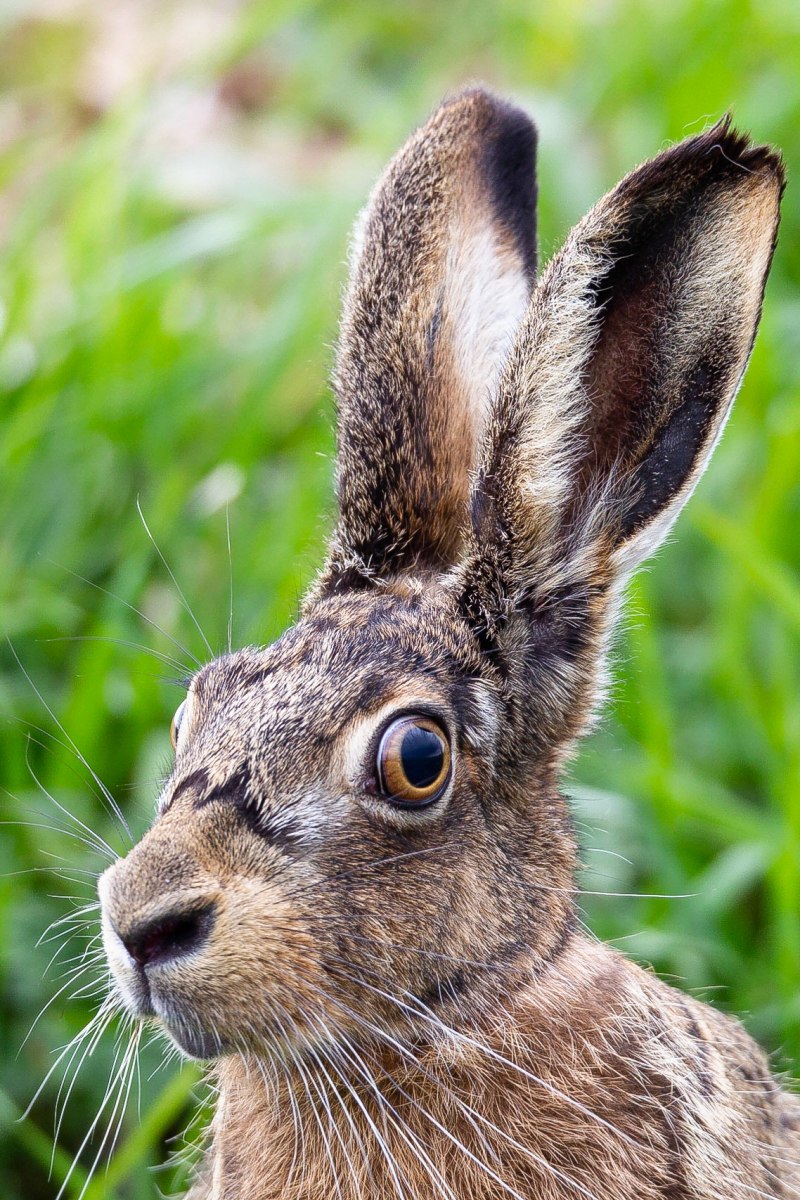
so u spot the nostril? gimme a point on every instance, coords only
(169, 936)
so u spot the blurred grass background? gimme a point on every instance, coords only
(177, 184)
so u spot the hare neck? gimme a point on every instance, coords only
(450, 1116)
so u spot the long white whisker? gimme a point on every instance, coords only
(46, 741)
(318, 1058)
(121, 1086)
(61, 1104)
(299, 1128)
(177, 586)
(451, 1137)
(83, 1033)
(418, 1009)
(112, 804)
(406, 1053)
(167, 659)
(72, 976)
(344, 1046)
(326, 1144)
(77, 917)
(101, 845)
(91, 955)
(132, 608)
(63, 832)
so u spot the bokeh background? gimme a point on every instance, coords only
(177, 181)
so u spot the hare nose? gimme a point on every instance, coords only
(169, 936)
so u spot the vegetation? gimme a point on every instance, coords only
(178, 180)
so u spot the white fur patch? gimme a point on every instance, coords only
(487, 295)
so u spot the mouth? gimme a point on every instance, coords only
(180, 1021)
(146, 1003)
(134, 989)
(192, 1040)
(145, 999)
(171, 994)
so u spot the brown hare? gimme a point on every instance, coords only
(358, 899)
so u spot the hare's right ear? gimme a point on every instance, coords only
(443, 264)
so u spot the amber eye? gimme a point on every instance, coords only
(413, 761)
(176, 724)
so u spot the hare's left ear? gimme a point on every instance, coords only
(443, 264)
(610, 403)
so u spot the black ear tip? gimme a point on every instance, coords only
(509, 140)
(719, 157)
(493, 117)
(505, 137)
(737, 149)
(510, 166)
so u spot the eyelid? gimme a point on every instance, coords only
(359, 742)
(397, 714)
(185, 721)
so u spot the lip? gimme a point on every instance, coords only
(193, 1041)
(144, 998)
(180, 1023)
(138, 994)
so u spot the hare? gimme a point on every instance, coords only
(358, 898)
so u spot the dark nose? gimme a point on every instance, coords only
(169, 936)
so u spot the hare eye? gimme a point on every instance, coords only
(176, 724)
(413, 761)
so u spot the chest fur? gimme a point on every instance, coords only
(651, 1097)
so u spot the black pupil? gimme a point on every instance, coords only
(422, 756)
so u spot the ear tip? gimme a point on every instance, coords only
(504, 141)
(720, 159)
(737, 148)
(510, 166)
(491, 114)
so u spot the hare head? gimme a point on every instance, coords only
(369, 808)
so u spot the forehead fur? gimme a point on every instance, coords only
(347, 655)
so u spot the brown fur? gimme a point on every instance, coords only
(401, 1003)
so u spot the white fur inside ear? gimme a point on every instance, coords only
(486, 296)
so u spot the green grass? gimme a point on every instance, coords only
(175, 207)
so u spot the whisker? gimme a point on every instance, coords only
(78, 916)
(73, 976)
(132, 608)
(166, 659)
(101, 845)
(473, 1113)
(91, 954)
(116, 1085)
(296, 1116)
(353, 1174)
(68, 833)
(61, 1104)
(49, 871)
(113, 806)
(46, 741)
(187, 607)
(108, 1005)
(387, 1109)
(418, 1008)
(326, 1144)
(406, 1053)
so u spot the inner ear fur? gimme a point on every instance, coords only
(443, 265)
(622, 375)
